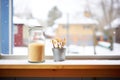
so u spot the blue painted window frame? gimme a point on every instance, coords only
(4, 26)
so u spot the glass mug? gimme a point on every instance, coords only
(36, 46)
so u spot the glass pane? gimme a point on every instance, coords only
(90, 27)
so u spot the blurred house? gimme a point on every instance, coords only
(115, 25)
(18, 31)
(21, 30)
(116, 22)
(80, 31)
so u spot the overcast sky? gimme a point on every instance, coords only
(40, 8)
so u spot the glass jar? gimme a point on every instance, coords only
(36, 46)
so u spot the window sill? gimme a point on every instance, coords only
(67, 68)
(68, 57)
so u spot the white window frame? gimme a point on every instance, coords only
(10, 27)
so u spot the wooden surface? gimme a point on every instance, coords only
(21, 68)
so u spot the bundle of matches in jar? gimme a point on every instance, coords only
(58, 49)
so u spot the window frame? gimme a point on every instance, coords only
(10, 55)
(10, 26)
(4, 20)
(0, 29)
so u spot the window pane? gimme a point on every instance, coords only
(90, 27)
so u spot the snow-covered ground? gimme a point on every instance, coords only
(73, 50)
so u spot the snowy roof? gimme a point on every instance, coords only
(17, 20)
(83, 20)
(33, 22)
(29, 22)
(114, 24)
